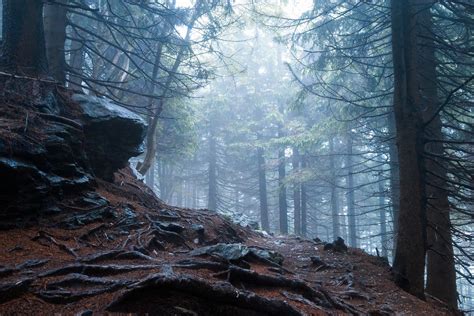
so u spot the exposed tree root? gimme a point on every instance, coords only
(94, 230)
(97, 270)
(116, 254)
(28, 264)
(166, 235)
(300, 299)
(76, 286)
(10, 291)
(196, 265)
(42, 235)
(217, 293)
(319, 296)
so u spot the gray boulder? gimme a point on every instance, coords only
(235, 252)
(113, 134)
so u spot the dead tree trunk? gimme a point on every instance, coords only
(23, 48)
(409, 262)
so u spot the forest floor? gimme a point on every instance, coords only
(136, 254)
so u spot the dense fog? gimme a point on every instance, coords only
(320, 119)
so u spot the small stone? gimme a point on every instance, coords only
(171, 227)
(198, 228)
(316, 260)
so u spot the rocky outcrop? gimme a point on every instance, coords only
(46, 157)
(41, 160)
(113, 134)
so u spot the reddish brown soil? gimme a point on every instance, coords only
(359, 282)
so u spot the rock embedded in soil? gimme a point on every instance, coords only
(45, 158)
(41, 160)
(236, 252)
(337, 245)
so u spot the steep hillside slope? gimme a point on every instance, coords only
(78, 236)
(142, 258)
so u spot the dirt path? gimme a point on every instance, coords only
(135, 254)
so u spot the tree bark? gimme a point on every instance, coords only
(441, 273)
(195, 195)
(350, 194)
(55, 21)
(262, 186)
(304, 202)
(179, 192)
(165, 177)
(409, 262)
(23, 46)
(394, 179)
(334, 196)
(296, 193)
(150, 178)
(382, 218)
(212, 172)
(282, 204)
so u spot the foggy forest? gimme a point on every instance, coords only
(237, 157)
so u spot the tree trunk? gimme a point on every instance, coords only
(236, 199)
(76, 62)
(334, 196)
(194, 197)
(165, 177)
(179, 193)
(262, 186)
(304, 202)
(282, 204)
(150, 177)
(189, 193)
(212, 172)
(394, 179)
(409, 262)
(23, 48)
(55, 20)
(156, 109)
(296, 193)
(382, 218)
(350, 194)
(441, 273)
